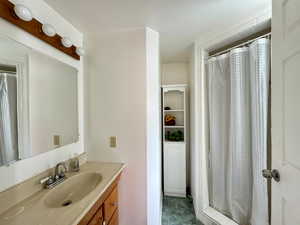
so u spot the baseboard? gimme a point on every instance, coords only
(173, 194)
(203, 218)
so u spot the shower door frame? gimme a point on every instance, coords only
(202, 207)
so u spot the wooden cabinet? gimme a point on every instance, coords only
(111, 204)
(115, 218)
(105, 210)
(98, 218)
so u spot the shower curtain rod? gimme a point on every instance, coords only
(240, 45)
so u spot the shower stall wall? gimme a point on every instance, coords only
(238, 84)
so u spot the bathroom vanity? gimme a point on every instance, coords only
(41, 110)
(105, 210)
(88, 197)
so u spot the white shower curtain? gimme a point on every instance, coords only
(238, 103)
(219, 100)
(260, 75)
(8, 119)
(240, 174)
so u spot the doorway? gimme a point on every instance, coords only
(237, 95)
(178, 205)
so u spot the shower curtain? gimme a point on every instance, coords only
(238, 108)
(8, 119)
(219, 100)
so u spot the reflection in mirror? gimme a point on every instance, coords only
(8, 113)
(38, 102)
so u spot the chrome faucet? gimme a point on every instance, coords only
(57, 173)
(58, 177)
(74, 165)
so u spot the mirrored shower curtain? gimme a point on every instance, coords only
(238, 84)
(8, 119)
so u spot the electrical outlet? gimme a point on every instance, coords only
(113, 141)
(56, 140)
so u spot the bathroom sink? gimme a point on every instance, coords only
(72, 190)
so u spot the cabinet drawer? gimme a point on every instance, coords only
(110, 205)
(115, 218)
(97, 219)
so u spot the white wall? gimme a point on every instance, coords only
(175, 73)
(197, 139)
(119, 69)
(192, 85)
(154, 168)
(52, 80)
(27, 168)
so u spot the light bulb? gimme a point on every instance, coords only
(49, 30)
(80, 51)
(66, 42)
(23, 12)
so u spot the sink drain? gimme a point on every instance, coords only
(67, 202)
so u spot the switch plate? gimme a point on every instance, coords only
(56, 140)
(113, 141)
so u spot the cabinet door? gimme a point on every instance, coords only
(110, 205)
(97, 219)
(174, 169)
(115, 219)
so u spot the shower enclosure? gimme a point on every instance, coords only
(238, 87)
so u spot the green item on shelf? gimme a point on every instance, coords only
(168, 135)
(175, 136)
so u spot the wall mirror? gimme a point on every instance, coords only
(38, 102)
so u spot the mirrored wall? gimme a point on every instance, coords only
(38, 102)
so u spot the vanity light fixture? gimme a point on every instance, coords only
(23, 12)
(49, 30)
(21, 16)
(66, 42)
(80, 51)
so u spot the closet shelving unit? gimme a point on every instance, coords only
(174, 151)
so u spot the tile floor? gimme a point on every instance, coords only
(178, 211)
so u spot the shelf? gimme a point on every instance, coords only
(174, 152)
(174, 126)
(174, 110)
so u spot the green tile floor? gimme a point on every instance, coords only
(178, 211)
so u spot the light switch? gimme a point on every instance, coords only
(113, 141)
